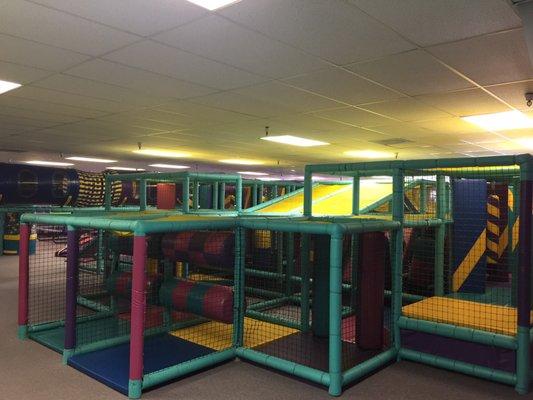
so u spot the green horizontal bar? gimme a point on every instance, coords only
(263, 292)
(45, 326)
(92, 305)
(459, 366)
(187, 367)
(272, 319)
(459, 332)
(289, 367)
(368, 366)
(174, 177)
(264, 305)
(411, 298)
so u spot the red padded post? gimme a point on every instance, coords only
(166, 196)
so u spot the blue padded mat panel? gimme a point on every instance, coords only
(111, 366)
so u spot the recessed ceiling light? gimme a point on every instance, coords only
(501, 121)
(91, 159)
(253, 173)
(241, 161)
(162, 153)
(49, 163)
(294, 141)
(368, 154)
(125, 169)
(213, 4)
(6, 86)
(169, 166)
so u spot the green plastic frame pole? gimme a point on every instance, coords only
(185, 190)
(254, 194)
(222, 196)
(308, 193)
(356, 192)
(335, 316)
(107, 193)
(423, 197)
(513, 256)
(397, 254)
(142, 194)
(239, 285)
(238, 195)
(261, 193)
(289, 264)
(440, 236)
(214, 200)
(195, 194)
(305, 284)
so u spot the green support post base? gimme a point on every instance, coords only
(523, 377)
(335, 386)
(67, 353)
(135, 389)
(22, 332)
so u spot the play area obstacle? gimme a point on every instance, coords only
(422, 260)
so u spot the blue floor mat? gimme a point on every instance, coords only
(111, 366)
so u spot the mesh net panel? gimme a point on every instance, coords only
(462, 273)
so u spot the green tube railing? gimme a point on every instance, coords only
(187, 367)
(507, 378)
(289, 367)
(440, 236)
(368, 366)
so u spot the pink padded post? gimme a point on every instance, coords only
(24, 263)
(138, 307)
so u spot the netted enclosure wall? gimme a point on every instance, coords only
(460, 256)
(288, 297)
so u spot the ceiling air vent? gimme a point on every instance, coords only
(394, 142)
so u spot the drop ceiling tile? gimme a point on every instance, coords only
(306, 122)
(464, 102)
(343, 86)
(404, 130)
(413, 72)
(513, 93)
(20, 73)
(39, 115)
(68, 99)
(27, 123)
(45, 25)
(37, 55)
(219, 39)
(47, 107)
(236, 102)
(490, 59)
(138, 16)
(405, 109)
(142, 81)
(166, 60)
(331, 29)
(437, 21)
(286, 96)
(201, 114)
(353, 116)
(100, 90)
(450, 125)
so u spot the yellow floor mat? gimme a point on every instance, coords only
(217, 335)
(469, 314)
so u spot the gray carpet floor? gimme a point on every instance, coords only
(31, 371)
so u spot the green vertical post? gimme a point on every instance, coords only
(222, 196)
(275, 189)
(185, 187)
(142, 194)
(335, 315)
(214, 200)
(440, 236)
(254, 194)
(195, 195)
(238, 195)
(261, 192)
(397, 254)
(512, 254)
(239, 286)
(356, 190)
(423, 197)
(100, 254)
(305, 264)
(107, 194)
(308, 193)
(354, 260)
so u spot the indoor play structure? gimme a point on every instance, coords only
(422, 260)
(38, 189)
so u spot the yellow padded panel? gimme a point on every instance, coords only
(469, 314)
(217, 335)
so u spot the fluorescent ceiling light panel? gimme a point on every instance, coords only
(525, 142)
(169, 166)
(501, 121)
(368, 154)
(241, 161)
(49, 163)
(162, 153)
(6, 86)
(294, 141)
(253, 173)
(125, 169)
(91, 159)
(212, 5)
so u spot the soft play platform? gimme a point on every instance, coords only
(111, 365)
